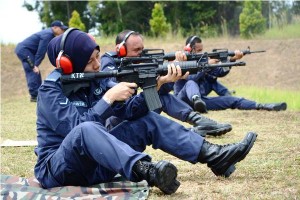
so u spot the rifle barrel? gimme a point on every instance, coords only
(195, 66)
(250, 52)
(260, 51)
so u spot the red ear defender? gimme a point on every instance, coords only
(188, 47)
(121, 48)
(63, 61)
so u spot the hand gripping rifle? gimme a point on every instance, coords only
(220, 54)
(144, 74)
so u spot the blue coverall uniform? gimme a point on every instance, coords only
(35, 48)
(196, 85)
(171, 105)
(75, 148)
(211, 82)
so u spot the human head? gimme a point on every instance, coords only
(129, 43)
(58, 27)
(193, 44)
(78, 48)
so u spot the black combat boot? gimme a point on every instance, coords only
(199, 105)
(222, 158)
(205, 126)
(271, 106)
(33, 99)
(162, 175)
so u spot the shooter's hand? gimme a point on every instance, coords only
(120, 92)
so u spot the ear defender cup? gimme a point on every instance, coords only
(63, 61)
(121, 48)
(188, 47)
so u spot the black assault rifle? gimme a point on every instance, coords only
(220, 54)
(144, 74)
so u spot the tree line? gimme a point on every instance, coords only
(156, 18)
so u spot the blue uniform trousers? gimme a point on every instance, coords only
(90, 155)
(191, 88)
(171, 105)
(217, 87)
(174, 107)
(34, 80)
(186, 93)
(226, 102)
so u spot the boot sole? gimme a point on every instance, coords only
(215, 132)
(219, 132)
(234, 160)
(167, 174)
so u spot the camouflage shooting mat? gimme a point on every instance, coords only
(13, 187)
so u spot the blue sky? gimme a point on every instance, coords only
(16, 22)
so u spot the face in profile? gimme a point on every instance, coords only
(58, 30)
(197, 48)
(93, 64)
(134, 46)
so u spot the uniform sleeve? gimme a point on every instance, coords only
(166, 88)
(131, 109)
(60, 115)
(45, 38)
(219, 72)
(196, 77)
(108, 64)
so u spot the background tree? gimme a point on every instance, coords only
(111, 22)
(59, 10)
(76, 22)
(91, 14)
(158, 22)
(192, 17)
(204, 18)
(296, 7)
(227, 16)
(116, 16)
(251, 20)
(281, 13)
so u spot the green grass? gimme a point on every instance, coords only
(263, 95)
(290, 31)
(18, 119)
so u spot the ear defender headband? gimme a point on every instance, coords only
(63, 61)
(121, 48)
(188, 46)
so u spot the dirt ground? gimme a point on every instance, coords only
(277, 68)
